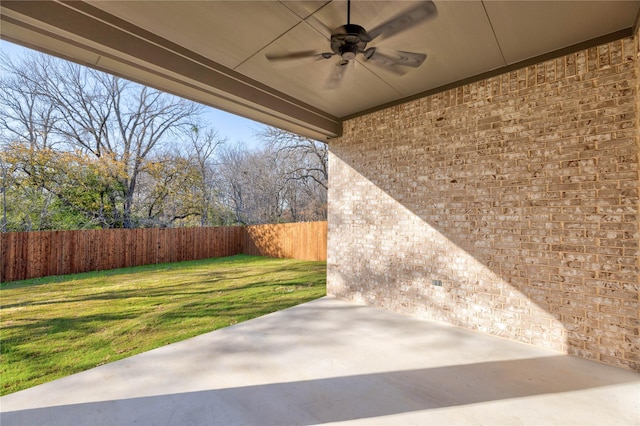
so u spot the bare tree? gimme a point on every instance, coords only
(308, 158)
(27, 115)
(26, 120)
(94, 114)
(203, 145)
(233, 183)
(286, 180)
(177, 185)
(304, 164)
(247, 186)
(267, 185)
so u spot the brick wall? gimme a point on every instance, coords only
(508, 206)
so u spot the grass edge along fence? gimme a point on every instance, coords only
(37, 254)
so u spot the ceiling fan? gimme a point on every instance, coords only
(349, 40)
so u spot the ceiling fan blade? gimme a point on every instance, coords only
(337, 75)
(405, 20)
(392, 60)
(298, 55)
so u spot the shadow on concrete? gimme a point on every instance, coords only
(335, 399)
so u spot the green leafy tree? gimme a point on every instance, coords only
(60, 189)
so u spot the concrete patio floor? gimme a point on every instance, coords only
(330, 361)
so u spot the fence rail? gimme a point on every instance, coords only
(38, 254)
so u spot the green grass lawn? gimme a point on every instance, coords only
(55, 326)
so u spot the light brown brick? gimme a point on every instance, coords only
(520, 193)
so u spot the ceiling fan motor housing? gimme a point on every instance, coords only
(349, 40)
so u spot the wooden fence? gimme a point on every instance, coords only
(38, 254)
(307, 241)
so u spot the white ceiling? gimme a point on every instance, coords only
(214, 51)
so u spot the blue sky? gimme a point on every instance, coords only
(235, 128)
